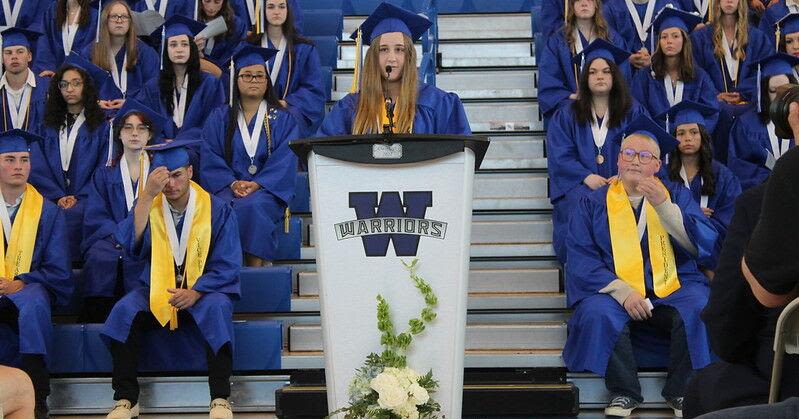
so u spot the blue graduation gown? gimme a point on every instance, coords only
(749, 147)
(240, 9)
(556, 72)
(50, 51)
(598, 319)
(773, 13)
(276, 175)
(105, 208)
(213, 312)
(651, 93)
(209, 95)
(225, 46)
(551, 16)
(437, 112)
(30, 14)
(306, 92)
(48, 283)
(173, 7)
(35, 110)
(147, 64)
(572, 156)
(48, 177)
(619, 19)
(722, 203)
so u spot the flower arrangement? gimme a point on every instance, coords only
(385, 387)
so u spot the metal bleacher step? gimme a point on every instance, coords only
(469, 84)
(503, 116)
(464, 54)
(468, 26)
(515, 152)
(509, 191)
(485, 337)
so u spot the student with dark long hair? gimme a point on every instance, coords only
(182, 92)
(220, 48)
(712, 185)
(75, 142)
(248, 162)
(580, 157)
(68, 25)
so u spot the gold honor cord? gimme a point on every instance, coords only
(627, 256)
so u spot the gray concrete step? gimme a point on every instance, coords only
(476, 301)
(503, 116)
(486, 337)
(478, 26)
(515, 152)
(506, 53)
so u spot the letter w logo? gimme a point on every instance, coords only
(412, 204)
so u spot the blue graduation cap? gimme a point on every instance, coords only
(601, 48)
(19, 37)
(99, 76)
(16, 141)
(172, 155)
(671, 17)
(687, 112)
(789, 24)
(247, 55)
(645, 126)
(774, 65)
(156, 120)
(175, 26)
(389, 18)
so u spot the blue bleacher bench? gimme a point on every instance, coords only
(327, 46)
(323, 22)
(289, 244)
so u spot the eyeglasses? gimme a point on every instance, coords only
(645, 157)
(249, 78)
(119, 18)
(129, 128)
(64, 85)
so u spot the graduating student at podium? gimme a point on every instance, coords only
(581, 159)
(189, 242)
(108, 272)
(390, 32)
(75, 142)
(247, 161)
(182, 92)
(23, 92)
(633, 247)
(35, 271)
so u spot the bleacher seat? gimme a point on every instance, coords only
(323, 22)
(365, 7)
(328, 49)
(302, 195)
(307, 5)
(289, 244)
(265, 290)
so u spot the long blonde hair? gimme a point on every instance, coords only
(100, 52)
(371, 101)
(741, 31)
(600, 24)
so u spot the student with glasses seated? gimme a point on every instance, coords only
(633, 247)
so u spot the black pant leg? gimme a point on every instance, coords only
(680, 367)
(220, 368)
(621, 374)
(126, 358)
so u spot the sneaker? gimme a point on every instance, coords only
(220, 409)
(621, 406)
(123, 410)
(676, 405)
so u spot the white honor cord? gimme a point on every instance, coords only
(6, 220)
(281, 53)
(120, 80)
(703, 199)
(251, 10)
(179, 106)
(19, 110)
(127, 183)
(674, 91)
(161, 7)
(66, 140)
(730, 62)
(11, 14)
(182, 244)
(250, 140)
(68, 33)
(600, 132)
(701, 7)
(641, 27)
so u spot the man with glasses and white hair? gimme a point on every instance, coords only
(633, 247)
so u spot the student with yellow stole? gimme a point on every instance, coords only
(189, 240)
(35, 272)
(633, 247)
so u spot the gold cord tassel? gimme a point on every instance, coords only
(777, 35)
(140, 186)
(287, 220)
(173, 322)
(356, 74)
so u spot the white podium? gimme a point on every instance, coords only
(377, 201)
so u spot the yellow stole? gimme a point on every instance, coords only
(384, 118)
(19, 254)
(162, 264)
(627, 256)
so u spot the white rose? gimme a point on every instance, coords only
(418, 394)
(383, 380)
(408, 410)
(392, 397)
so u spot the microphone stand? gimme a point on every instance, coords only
(389, 128)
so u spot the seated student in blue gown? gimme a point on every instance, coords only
(778, 10)
(725, 48)
(166, 8)
(245, 11)
(699, 8)
(674, 77)
(108, 272)
(754, 144)
(295, 70)
(390, 32)
(712, 185)
(181, 92)
(557, 71)
(633, 247)
(631, 20)
(22, 91)
(27, 14)
(220, 48)
(67, 26)
(789, 38)
(75, 142)
(118, 50)
(183, 281)
(247, 161)
(40, 276)
(580, 157)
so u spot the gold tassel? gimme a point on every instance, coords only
(140, 186)
(777, 35)
(356, 74)
(257, 17)
(565, 11)
(173, 322)
(286, 220)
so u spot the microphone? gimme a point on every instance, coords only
(389, 129)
